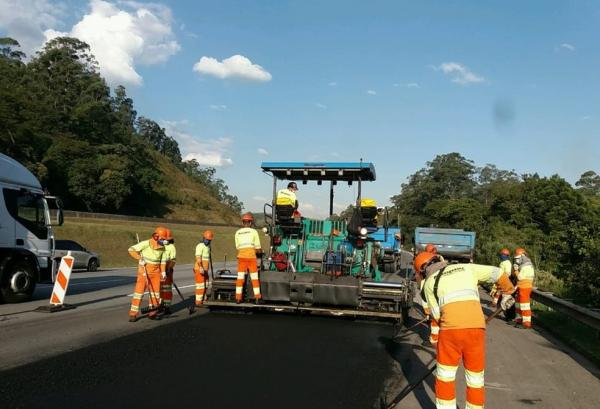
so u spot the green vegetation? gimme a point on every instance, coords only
(89, 147)
(112, 238)
(558, 225)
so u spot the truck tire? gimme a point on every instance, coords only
(92, 265)
(18, 283)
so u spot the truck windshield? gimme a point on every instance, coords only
(28, 209)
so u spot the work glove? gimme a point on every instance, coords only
(142, 262)
(515, 267)
(163, 275)
(507, 302)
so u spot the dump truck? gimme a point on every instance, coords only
(321, 265)
(26, 235)
(453, 244)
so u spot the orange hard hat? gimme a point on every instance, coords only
(169, 235)
(208, 235)
(161, 232)
(505, 252)
(520, 251)
(247, 217)
(430, 248)
(422, 259)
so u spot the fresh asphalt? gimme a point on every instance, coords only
(92, 357)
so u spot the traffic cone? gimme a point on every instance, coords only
(60, 287)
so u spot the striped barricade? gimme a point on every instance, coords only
(60, 286)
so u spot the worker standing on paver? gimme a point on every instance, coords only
(151, 269)
(525, 273)
(166, 286)
(506, 268)
(248, 246)
(453, 297)
(287, 197)
(202, 265)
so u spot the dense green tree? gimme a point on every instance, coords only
(589, 183)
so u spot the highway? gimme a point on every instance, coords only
(92, 356)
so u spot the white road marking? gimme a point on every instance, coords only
(90, 283)
(180, 287)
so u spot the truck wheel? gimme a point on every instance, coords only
(18, 283)
(92, 265)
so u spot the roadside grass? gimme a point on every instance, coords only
(579, 336)
(112, 238)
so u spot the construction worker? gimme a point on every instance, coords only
(248, 246)
(151, 270)
(506, 268)
(287, 197)
(202, 265)
(166, 286)
(525, 273)
(453, 297)
(434, 327)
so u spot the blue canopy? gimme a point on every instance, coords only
(337, 171)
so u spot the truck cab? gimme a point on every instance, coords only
(26, 235)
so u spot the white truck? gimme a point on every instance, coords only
(26, 236)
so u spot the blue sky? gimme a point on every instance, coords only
(396, 83)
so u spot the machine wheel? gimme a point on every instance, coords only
(92, 265)
(18, 283)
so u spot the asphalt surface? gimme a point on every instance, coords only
(92, 357)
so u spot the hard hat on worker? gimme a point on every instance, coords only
(422, 259)
(292, 185)
(520, 252)
(160, 233)
(430, 248)
(208, 235)
(247, 217)
(169, 235)
(505, 252)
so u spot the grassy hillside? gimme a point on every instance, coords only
(186, 199)
(112, 238)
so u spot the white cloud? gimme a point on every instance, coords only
(408, 85)
(332, 84)
(371, 92)
(26, 21)
(262, 151)
(586, 117)
(208, 152)
(236, 66)
(565, 46)
(259, 198)
(320, 106)
(121, 38)
(218, 107)
(460, 74)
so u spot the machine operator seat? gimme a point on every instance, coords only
(286, 219)
(368, 210)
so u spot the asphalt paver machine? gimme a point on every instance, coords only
(324, 266)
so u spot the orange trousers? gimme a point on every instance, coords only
(141, 286)
(247, 264)
(456, 344)
(434, 327)
(166, 289)
(523, 307)
(201, 278)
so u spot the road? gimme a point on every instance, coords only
(91, 356)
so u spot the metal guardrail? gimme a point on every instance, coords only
(107, 216)
(581, 314)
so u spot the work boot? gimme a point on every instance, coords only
(132, 318)
(518, 325)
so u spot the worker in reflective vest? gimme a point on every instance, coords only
(248, 246)
(202, 265)
(506, 268)
(151, 270)
(453, 298)
(166, 286)
(287, 197)
(525, 274)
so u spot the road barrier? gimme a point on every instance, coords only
(581, 314)
(60, 286)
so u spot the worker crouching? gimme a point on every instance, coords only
(151, 270)
(248, 246)
(202, 265)
(453, 297)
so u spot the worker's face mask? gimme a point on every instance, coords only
(518, 259)
(163, 242)
(206, 242)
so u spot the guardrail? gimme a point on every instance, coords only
(107, 216)
(581, 314)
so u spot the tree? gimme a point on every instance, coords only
(589, 184)
(7, 49)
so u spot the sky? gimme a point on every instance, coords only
(511, 83)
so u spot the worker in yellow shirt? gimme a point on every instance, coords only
(506, 268)
(151, 270)
(202, 265)
(287, 197)
(452, 294)
(166, 286)
(525, 274)
(247, 244)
